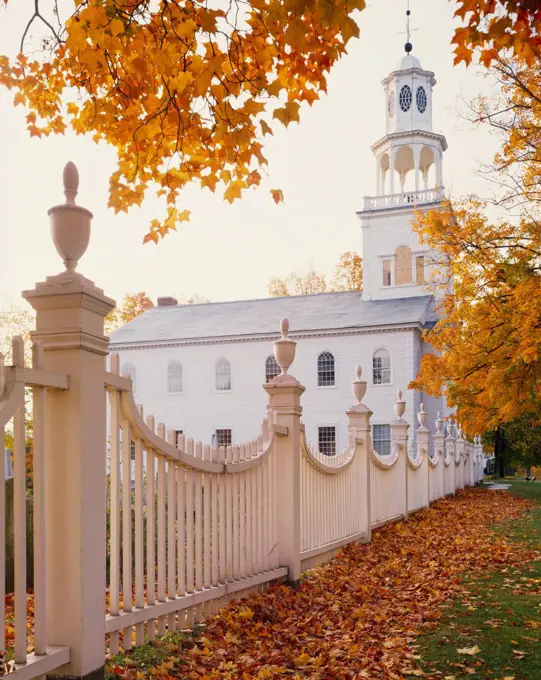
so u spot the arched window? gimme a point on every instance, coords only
(325, 370)
(223, 375)
(271, 368)
(174, 377)
(129, 370)
(381, 367)
(402, 265)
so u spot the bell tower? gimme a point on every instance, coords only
(408, 178)
(409, 149)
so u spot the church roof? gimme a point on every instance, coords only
(261, 318)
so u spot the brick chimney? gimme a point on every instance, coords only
(167, 302)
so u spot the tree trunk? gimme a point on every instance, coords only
(499, 448)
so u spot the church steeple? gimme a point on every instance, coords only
(410, 150)
(409, 156)
(408, 177)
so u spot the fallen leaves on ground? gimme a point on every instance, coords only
(359, 616)
(470, 651)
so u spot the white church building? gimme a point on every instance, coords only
(201, 367)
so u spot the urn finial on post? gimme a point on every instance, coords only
(70, 223)
(284, 348)
(439, 424)
(399, 405)
(422, 416)
(358, 386)
(71, 182)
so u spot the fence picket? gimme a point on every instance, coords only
(181, 541)
(114, 564)
(229, 516)
(126, 529)
(242, 511)
(151, 531)
(207, 531)
(38, 413)
(222, 519)
(161, 532)
(139, 540)
(198, 495)
(235, 515)
(19, 512)
(171, 532)
(190, 533)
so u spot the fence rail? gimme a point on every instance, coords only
(167, 529)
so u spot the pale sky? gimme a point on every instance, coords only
(324, 165)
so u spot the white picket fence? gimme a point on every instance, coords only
(176, 527)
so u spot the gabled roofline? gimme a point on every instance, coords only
(266, 337)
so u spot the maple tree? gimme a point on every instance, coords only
(523, 440)
(347, 276)
(348, 273)
(298, 284)
(193, 299)
(488, 339)
(490, 27)
(16, 320)
(134, 304)
(185, 91)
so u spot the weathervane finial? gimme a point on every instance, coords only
(408, 46)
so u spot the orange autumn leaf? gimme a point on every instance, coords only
(491, 27)
(277, 196)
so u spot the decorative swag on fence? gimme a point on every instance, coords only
(170, 529)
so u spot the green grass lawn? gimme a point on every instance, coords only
(501, 618)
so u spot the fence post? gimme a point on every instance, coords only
(439, 448)
(69, 324)
(459, 447)
(285, 406)
(399, 439)
(359, 427)
(450, 450)
(478, 448)
(422, 434)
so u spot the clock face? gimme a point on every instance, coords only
(420, 96)
(390, 104)
(405, 98)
